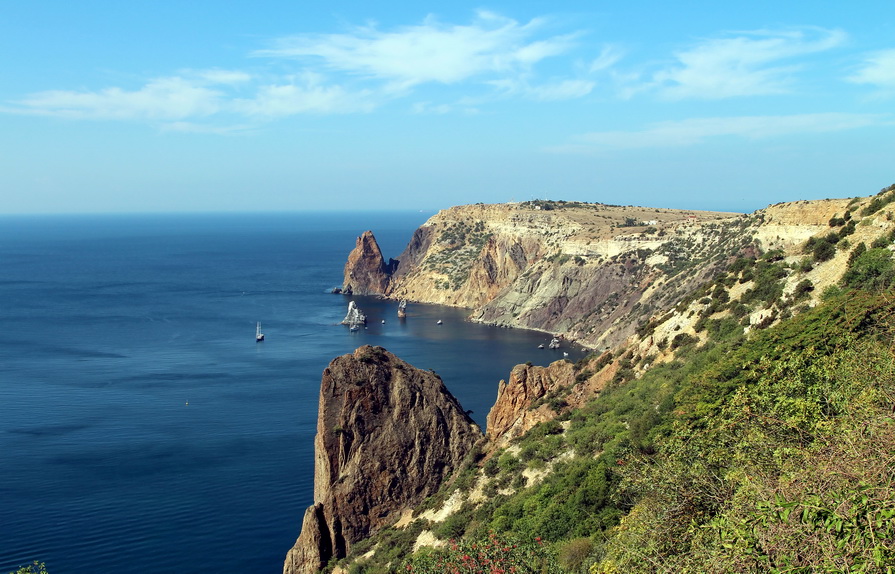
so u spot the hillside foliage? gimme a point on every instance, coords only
(726, 460)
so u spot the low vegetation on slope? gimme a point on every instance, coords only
(768, 449)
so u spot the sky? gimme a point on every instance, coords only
(226, 106)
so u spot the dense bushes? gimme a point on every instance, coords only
(871, 269)
(882, 199)
(779, 467)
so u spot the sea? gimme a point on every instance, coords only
(142, 427)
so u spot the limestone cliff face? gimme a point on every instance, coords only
(590, 271)
(387, 436)
(366, 272)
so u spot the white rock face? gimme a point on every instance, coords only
(355, 317)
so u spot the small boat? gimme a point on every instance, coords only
(438, 322)
(259, 336)
(541, 346)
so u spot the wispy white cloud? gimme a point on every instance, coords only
(429, 52)
(877, 69)
(467, 108)
(227, 77)
(307, 93)
(609, 56)
(199, 94)
(492, 58)
(760, 62)
(545, 92)
(171, 98)
(698, 130)
(563, 90)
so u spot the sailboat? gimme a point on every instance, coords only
(259, 336)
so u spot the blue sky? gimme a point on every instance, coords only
(109, 106)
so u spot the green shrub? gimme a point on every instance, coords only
(683, 339)
(871, 270)
(508, 463)
(823, 250)
(491, 468)
(574, 554)
(803, 288)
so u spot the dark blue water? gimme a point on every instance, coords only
(142, 429)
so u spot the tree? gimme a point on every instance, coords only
(33, 568)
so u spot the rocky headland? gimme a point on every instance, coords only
(634, 284)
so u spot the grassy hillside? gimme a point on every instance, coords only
(773, 455)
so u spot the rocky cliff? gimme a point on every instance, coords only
(366, 272)
(590, 271)
(596, 273)
(517, 407)
(387, 436)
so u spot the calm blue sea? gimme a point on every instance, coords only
(142, 428)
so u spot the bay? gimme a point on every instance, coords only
(143, 429)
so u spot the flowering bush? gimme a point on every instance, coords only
(495, 555)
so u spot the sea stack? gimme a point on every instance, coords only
(366, 272)
(388, 434)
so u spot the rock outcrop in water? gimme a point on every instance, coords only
(355, 318)
(366, 272)
(387, 436)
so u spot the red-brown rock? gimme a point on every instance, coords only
(366, 272)
(512, 414)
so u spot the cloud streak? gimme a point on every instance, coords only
(696, 131)
(429, 52)
(878, 69)
(746, 64)
(201, 95)
(172, 98)
(491, 58)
